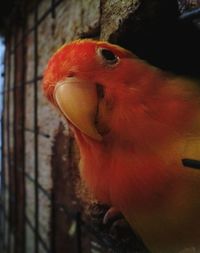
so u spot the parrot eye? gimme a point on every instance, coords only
(108, 56)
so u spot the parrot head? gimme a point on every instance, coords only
(78, 79)
(94, 83)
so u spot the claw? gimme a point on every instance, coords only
(112, 215)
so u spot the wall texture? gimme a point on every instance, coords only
(44, 207)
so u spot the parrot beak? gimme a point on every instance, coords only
(78, 101)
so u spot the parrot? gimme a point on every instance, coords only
(138, 131)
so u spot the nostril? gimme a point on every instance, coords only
(100, 91)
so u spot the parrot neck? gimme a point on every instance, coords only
(118, 175)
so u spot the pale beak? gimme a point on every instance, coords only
(78, 101)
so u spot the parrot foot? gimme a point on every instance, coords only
(112, 215)
(113, 230)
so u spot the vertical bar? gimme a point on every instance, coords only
(2, 202)
(78, 232)
(8, 243)
(53, 208)
(36, 129)
(23, 123)
(15, 179)
(19, 110)
(2, 208)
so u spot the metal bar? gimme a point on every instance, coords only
(15, 179)
(19, 110)
(8, 243)
(191, 163)
(4, 212)
(39, 133)
(40, 20)
(28, 221)
(31, 179)
(23, 127)
(64, 208)
(38, 78)
(31, 10)
(33, 131)
(5, 219)
(34, 6)
(36, 130)
(2, 176)
(40, 239)
(25, 83)
(9, 90)
(78, 232)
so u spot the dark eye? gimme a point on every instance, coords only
(108, 56)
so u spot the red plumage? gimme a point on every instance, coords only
(147, 120)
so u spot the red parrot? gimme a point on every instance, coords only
(138, 131)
